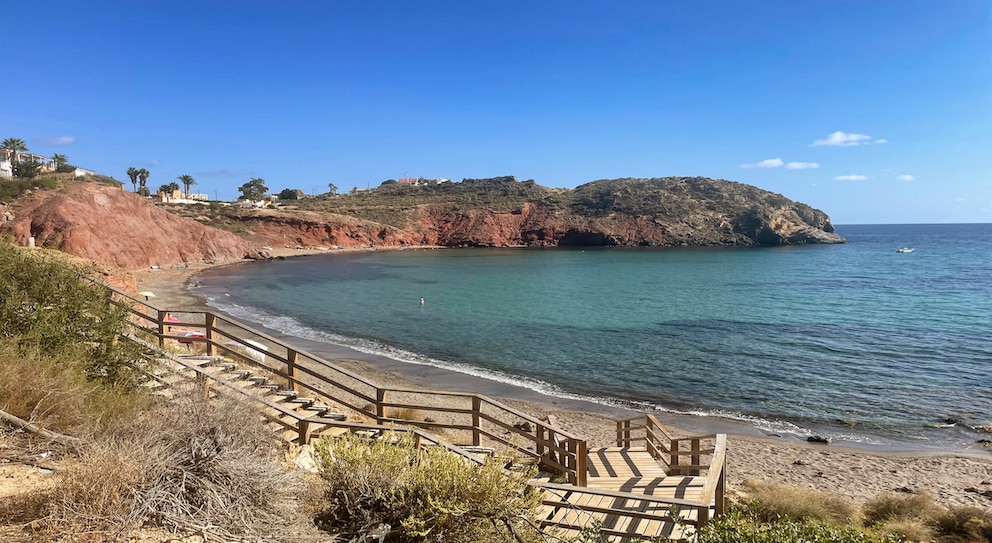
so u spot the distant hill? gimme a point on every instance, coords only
(659, 212)
(117, 227)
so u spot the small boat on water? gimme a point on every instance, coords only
(904, 250)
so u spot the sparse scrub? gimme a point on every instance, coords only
(888, 507)
(965, 525)
(749, 525)
(775, 502)
(421, 495)
(192, 466)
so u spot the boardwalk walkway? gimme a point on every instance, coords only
(630, 496)
(650, 484)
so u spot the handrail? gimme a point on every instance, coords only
(553, 447)
(670, 450)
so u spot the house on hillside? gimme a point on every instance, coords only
(6, 169)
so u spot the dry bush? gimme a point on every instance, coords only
(888, 507)
(53, 391)
(422, 495)
(965, 525)
(192, 466)
(783, 501)
(909, 530)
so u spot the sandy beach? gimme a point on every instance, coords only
(950, 479)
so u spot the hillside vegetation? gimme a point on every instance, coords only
(501, 211)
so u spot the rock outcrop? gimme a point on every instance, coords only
(109, 225)
(668, 212)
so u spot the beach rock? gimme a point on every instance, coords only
(524, 426)
(818, 439)
(120, 228)
(983, 428)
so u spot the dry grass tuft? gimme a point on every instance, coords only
(888, 508)
(52, 390)
(775, 502)
(192, 466)
(909, 530)
(965, 525)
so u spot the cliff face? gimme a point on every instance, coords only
(275, 228)
(119, 228)
(670, 212)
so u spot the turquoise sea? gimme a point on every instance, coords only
(855, 341)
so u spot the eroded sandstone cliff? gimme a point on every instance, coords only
(109, 225)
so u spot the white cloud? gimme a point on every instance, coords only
(852, 177)
(906, 178)
(802, 166)
(56, 141)
(843, 139)
(769, 163)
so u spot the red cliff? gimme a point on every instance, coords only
(112, 226)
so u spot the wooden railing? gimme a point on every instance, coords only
(707, 454)
(464, 418)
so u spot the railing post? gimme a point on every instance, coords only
(696, 458)
(476, 420)
(721, 488)
(541, 437)
(161, 328)
(673, 456)
(210, 323)
(303, 432)
(292, 357)
(380, 410)
(581, 459)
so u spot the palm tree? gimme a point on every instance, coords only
(186, 180)
(61, 162)
(132, 172)
(13, 147)
(143, 176)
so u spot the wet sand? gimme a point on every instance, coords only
(951, 479)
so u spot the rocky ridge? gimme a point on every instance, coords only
(112, 226)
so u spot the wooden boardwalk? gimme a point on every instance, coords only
(629, 496)
(652, 484)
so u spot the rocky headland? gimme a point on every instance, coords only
(109, 225)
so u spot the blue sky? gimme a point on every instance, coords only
(875, 112)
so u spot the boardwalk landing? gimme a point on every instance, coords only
(620, 471)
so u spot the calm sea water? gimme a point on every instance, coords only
(855, 341)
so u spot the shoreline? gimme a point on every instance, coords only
(951, 478)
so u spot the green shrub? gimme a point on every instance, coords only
(748, 525)
(47, 304)
(11, 189)
(421, 495)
